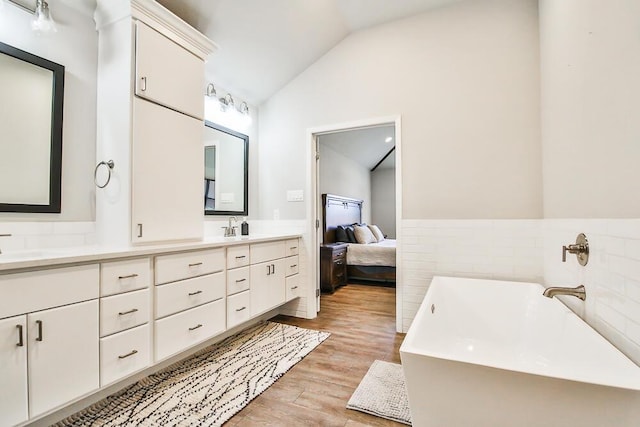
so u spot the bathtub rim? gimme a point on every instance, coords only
(408, 348)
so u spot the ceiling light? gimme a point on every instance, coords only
(388, 139)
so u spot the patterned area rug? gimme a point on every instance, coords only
(382, 392)
(209, 387)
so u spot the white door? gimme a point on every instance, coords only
(168, 175)
(160, 67)
(13, 370)
(63, 355)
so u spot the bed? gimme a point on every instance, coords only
(369, 262)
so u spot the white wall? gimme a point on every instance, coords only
(383, 200)
(75, 46)
(590, 63)
(465, 80)
(343, 176)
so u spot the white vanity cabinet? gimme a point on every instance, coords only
(48, 339)
(14, 408)
(158, 61)
(168, 171)
(62, 355)
(267, 276)
(190, 303)
(238, 285)
(150, 120)
(125, 313)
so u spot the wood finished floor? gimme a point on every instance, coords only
(315, 392)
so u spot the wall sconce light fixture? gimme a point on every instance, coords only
(226, 110)
(42, 21)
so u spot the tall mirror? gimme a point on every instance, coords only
(31, 96)
(226, 171)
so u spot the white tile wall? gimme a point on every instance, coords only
(44, 235)
(491, 249)
(611, 278)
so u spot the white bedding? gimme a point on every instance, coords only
(380, 254)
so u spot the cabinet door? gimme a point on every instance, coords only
(13, 370)
(267, 286)
(168, 74)
(63, 355)
(168, 175)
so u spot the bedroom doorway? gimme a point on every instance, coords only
(357, 161)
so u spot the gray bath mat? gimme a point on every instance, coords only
(382, 392)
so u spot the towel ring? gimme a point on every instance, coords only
(110, 165)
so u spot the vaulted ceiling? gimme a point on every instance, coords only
(264, 44)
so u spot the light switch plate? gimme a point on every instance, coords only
(295, 196)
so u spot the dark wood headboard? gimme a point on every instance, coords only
(338, 210)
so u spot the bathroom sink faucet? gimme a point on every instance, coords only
(4, 235)
(230, 231)
(578, 292)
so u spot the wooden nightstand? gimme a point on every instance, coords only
(333, 266)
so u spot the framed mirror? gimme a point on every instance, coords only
(226, 171)
(31, 96)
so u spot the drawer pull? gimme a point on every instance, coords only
(194, 293)
(195, 264)
(241, 256)
(294, 288)
(241, 280)
(39, 323)
(293, 248)
(123, 313)
(293, 265)
(241, 308)
(199, 325)
(130, 276)
(20, 336)
(124, 356)
(339, 263)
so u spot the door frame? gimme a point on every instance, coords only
(314, 212)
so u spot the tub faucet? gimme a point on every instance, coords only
(578, 292)
(4, 235)
(230, 231)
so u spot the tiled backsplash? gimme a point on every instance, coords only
(531, 250)
(45, 235)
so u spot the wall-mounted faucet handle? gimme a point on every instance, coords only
(580, 249)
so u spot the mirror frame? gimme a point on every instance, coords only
(245, 138)
(55, 164)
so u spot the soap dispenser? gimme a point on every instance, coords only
(244, 227)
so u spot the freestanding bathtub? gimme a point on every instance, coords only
(486, 353)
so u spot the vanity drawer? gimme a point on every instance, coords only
(261, 252)
(238, 308)
(170, 268)
(183, 330)
(293, 289)
(117, 357)
(120, 312)
(237, 256)
(238, 280)
(124, 276)
(43, 289)
(291, 265)
(185, 294)
(292, 247)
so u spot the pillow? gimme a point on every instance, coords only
(341, 234)
(377, 233)
(364, 235)
(351, 237)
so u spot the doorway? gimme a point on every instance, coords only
(330, 144)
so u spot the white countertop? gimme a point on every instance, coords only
(35, 258)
